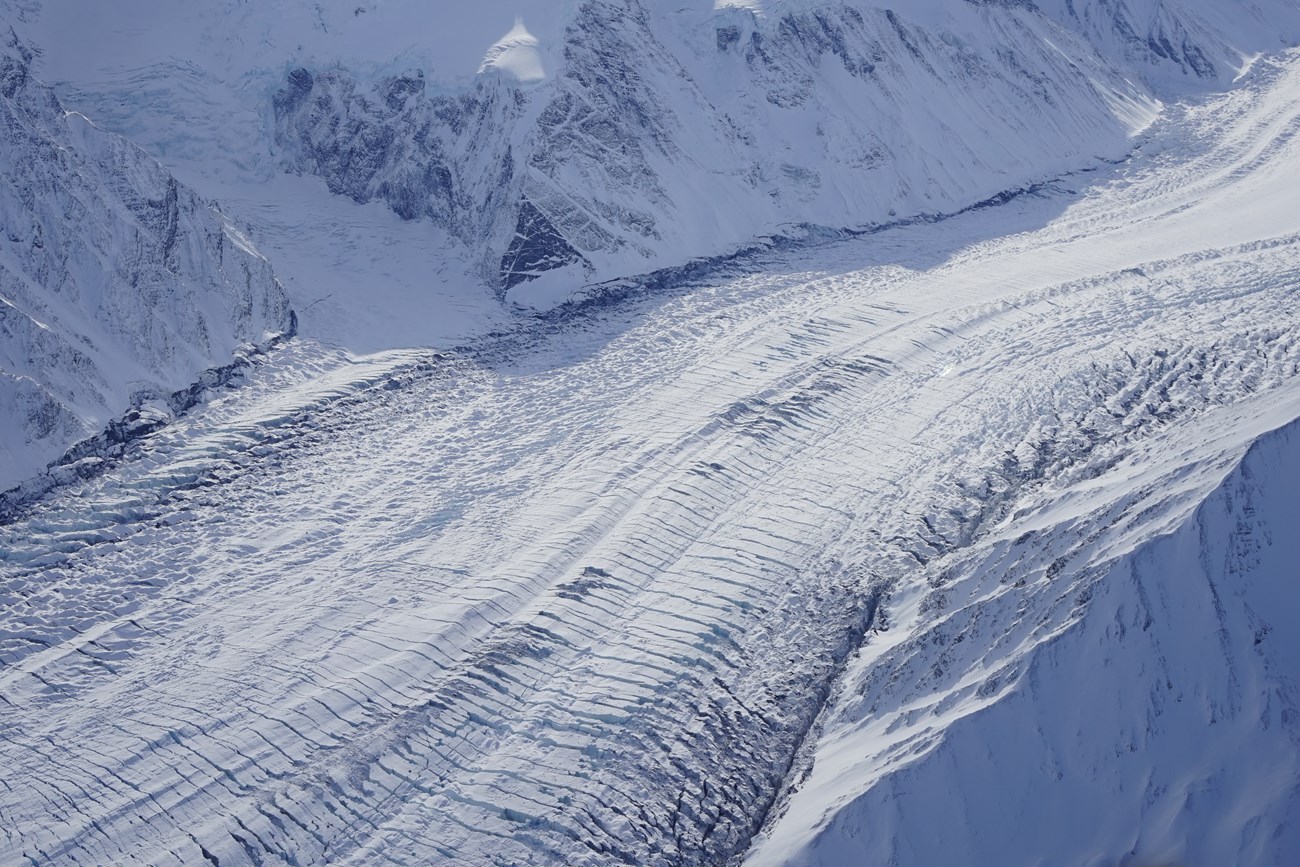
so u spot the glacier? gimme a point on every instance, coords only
(916, 492)
(1050, 691)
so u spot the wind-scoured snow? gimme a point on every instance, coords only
(580, 593)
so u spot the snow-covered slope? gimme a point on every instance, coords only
(117, 283)
(550, 145)
(1108, 677)
(578, 594)
(1180, 46)
(670, 134)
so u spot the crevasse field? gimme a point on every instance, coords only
(933, 505)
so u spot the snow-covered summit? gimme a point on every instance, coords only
(87, 40)
(667, 133)
(517, 55)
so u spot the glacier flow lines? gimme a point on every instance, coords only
(577, 596)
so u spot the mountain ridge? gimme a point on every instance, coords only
(118, 283)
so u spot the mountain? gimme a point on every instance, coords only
(928, 505)
(118, 284)
(664, 135)
(959, 541)
(1179, 47)
(548, 147)
(730, 122)
(1105, 677)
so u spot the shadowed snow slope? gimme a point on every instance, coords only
(1180, 45)
(579, 594)
(117, 283)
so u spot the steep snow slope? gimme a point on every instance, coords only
(1107, 677)
(1180, 46)
(576, 595)
(667, 133)
(117, 283)
(549, 145)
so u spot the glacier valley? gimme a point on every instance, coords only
(890, 458)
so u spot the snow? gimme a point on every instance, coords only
(118, 284)
(361, 277)
(1180, 46)
(91, 41)
(517, 54)
(730, 123)
(192, 83)
(1078, 728)
(590, 589)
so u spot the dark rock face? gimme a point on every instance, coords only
(605, 119)
(536, 247)
(426, 157)
(1170, 42)
(446, 159)
(727, 37)
(350, 139)
(1188, 56)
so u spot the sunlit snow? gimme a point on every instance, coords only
(943, 514)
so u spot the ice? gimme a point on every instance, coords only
(608, 585)
(729, 124)
(517, 54)
(118, 284)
